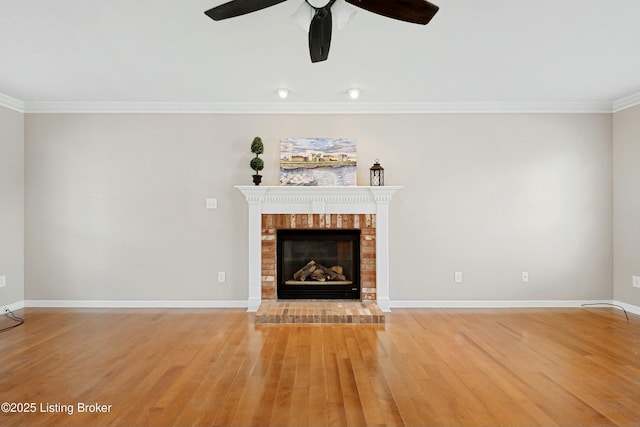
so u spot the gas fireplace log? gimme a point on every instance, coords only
(335, 273)
(305, 271)
(333, 276)
(319, 273)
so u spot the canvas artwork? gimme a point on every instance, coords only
(318, 161)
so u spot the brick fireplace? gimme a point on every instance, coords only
(365, 223)
(359, 208)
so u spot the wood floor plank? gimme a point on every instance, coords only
(216, 367)
(317, 391)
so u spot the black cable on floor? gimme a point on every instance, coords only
(9, 314)
(608, 303)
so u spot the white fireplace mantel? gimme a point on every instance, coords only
(318, 200)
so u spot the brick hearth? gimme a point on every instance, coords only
(300, 311)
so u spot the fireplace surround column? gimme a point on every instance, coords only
(255, 256)
(382, 250)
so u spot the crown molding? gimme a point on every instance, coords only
(11, 103)
(317, 108)
(626, 102)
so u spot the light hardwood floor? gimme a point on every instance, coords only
(424, 367)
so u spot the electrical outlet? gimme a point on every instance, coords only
(221, 277)
(525, 276)
(457, 277)
(211, 203)
(3, 281)
(636, 281)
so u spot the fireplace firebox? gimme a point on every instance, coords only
(318, 264)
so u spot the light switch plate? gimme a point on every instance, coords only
(636, 281)
(3, 281)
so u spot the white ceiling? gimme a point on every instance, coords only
(474, 52)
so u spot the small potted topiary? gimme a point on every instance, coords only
(257, 147)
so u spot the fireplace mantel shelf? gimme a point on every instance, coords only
(319, 200)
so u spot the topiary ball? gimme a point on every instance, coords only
(256, 164)
(257, 147)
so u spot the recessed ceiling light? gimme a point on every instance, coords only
(282, 93)
(354, 93)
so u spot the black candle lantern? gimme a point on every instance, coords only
(376, 175)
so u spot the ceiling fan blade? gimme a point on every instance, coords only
(414, 11)
(320, 34)
(239, 7)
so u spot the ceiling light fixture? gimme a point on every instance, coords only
(282, 93)
(342, 13)
(354, 93)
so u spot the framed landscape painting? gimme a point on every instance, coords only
(318, 161)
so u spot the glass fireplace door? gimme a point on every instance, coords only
(318, 264)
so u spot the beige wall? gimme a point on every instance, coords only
(115, 202)
(626, 145)
(11, 205)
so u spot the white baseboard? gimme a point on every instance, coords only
(490, 303)
(508, 304)
(384, 304)
(137, 303)
(244, 304)
(630, 308)
(253, 304)
(13, 307)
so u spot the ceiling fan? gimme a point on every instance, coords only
(414, 11)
